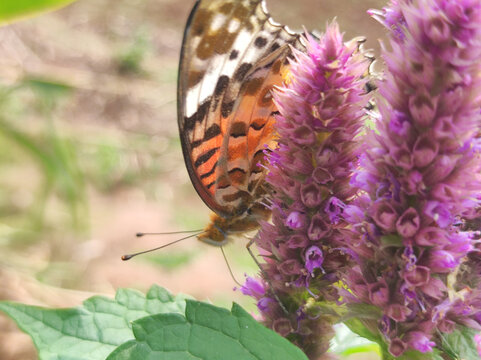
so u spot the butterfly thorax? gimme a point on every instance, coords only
(220, 229)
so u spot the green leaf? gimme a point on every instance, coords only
(206, 332)
(93, 330)
(371, 348)
(363, 311)
(460, 344)
(416, 355)
(11, 10)
(347, 343)
(357, 327)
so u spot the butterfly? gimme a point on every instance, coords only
(233, 54)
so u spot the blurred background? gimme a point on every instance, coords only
(90, 155)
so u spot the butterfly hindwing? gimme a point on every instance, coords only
(250, 130)
(233, 54)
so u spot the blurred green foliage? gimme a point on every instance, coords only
(11, 10)
(53, 154)
(172, 260)
(130, 58)
(67, 162)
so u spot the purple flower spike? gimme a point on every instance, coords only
(314, 259)
(311, 195)
(418, 276)
(379, 293)
(296, 220)
(419, 341)
(353, 214)
(321, 114)
(298, 241)
(421, 174)
(318, 228)
(334, 208)
(398, 312)
(264, 304)
(439, 213)
(253, 287)
(384, 215)
(441, 261)
(397, 347)
(399, 124)
(408, 223)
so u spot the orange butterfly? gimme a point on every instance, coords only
(233, 54)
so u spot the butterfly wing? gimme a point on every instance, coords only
(232, 56)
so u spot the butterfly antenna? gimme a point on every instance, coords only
(140, 234)
(130, 256)
(228, 266)
(265, 276)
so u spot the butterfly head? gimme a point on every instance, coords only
(220, 228)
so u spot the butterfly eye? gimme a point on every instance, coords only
(249, 211)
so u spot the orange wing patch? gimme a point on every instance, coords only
(205, 157)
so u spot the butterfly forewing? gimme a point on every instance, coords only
(233, 54)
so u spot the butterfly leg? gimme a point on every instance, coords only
(265, 276)
(228, 266)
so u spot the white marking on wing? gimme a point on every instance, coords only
(191, 101)
(261, 12)
(289, 30)
(233, 26)
(210, 78)
(217, 22)
(252, 53)
(242, 41)
(229, 69)
(264, 7)
(274, 23)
